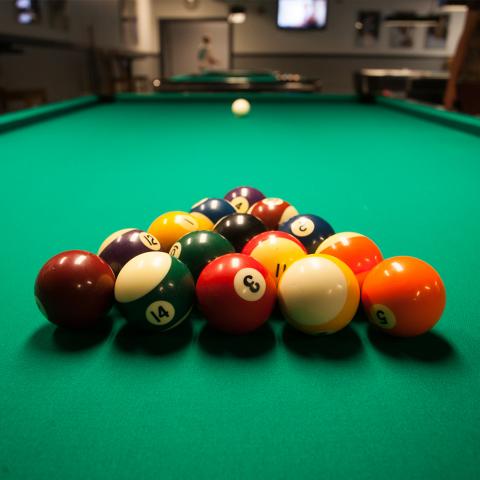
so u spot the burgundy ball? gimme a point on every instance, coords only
(75, 289)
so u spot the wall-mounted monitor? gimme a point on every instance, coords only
(302, 14)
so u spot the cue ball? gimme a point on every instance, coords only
(403, 296)
(241, 107)
(75, 289)
(155, 291)
(122, 246)
(359, 252)
(318, 294)
(236, 293)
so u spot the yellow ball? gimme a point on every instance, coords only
(241, 107)
(318, 294)
(276, 251)
(171, 226)
(204, 223)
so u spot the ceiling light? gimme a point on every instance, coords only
(237, 14)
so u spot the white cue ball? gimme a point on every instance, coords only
(241, 107)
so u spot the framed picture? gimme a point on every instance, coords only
(367, 28)
(436, 37)
(401, 37)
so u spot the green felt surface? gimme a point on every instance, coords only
(276, 404)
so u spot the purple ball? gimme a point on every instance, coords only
(242, 198)
(120, 247)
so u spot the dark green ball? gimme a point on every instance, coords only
(197, 249)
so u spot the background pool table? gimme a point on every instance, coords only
(275, 404)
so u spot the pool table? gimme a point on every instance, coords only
(117, 404)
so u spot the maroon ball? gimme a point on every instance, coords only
(75, 289)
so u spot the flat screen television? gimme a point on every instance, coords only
(302, 14)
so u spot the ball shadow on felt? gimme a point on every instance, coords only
(342, 345)
(429, 347)
(132, 340)
(50, 337)
(253, 344)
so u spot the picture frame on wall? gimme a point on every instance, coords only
(401, 37)
(367, 27)
(436, 37)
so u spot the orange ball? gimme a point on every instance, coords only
(403, 296)
(359, 252)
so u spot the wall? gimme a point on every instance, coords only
(330, 54)
(61, 71)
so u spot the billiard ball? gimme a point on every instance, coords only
(275, 251)
(239, 228)
(241, 107)
(359, 252)
(213, 208)
(242, 198)
(197, 249)
(311, 230)
(171, 226)
(122, 246)
(75, 289)
(154, 291)
(236, 293)
(318, 294)
(273, 212)
(204, 223)
(403, 296)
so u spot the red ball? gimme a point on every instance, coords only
(236, 293)
(75, 289)
(273, 212)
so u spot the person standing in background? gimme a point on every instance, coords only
(205, 57)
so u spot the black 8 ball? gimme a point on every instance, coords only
(239, 228)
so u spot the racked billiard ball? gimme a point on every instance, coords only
(171, 226)
(236, 293)
(273, 212)
(242, 198)
(275, 251)
(239, 228)
(75, 289)
(213, 208)
(359, 252)
(318, 294)
(311, 230)
(197, 249)
(154, 291)
(122, 246)
(403, 296)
